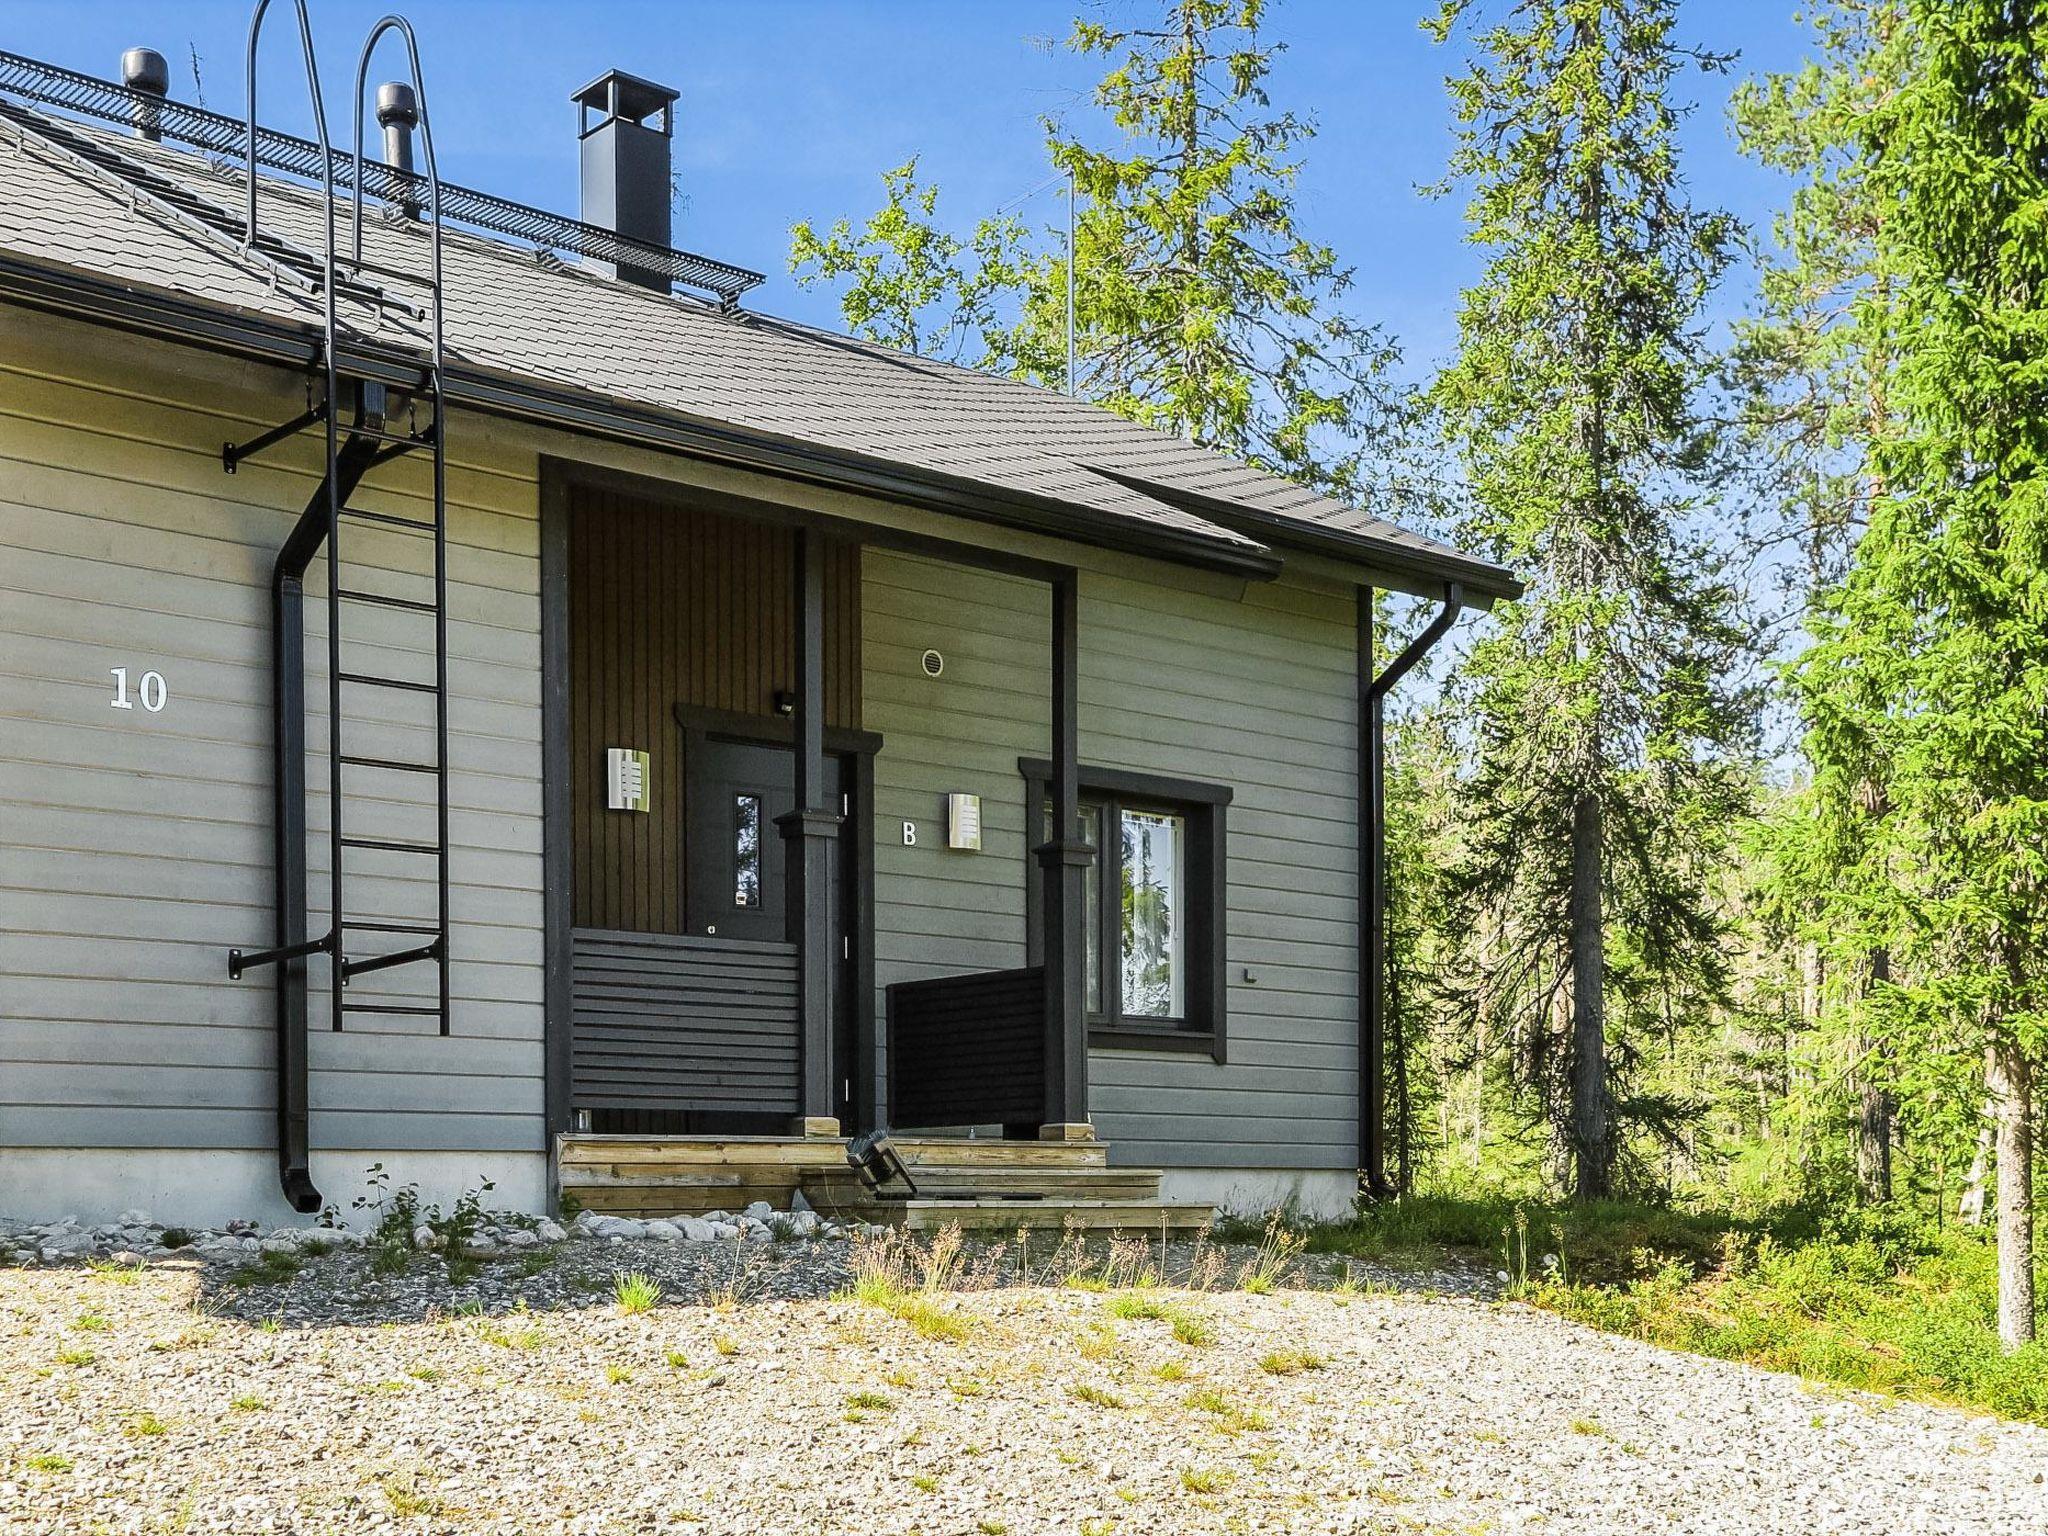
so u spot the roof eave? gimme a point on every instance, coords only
(1427, 571)
(64, 289)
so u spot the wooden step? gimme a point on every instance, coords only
(1134, 1217)
(986, 1151)
(835, 1189)
(584, 1150)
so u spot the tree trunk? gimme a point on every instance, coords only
(2012, 1090)
(1877, 1109)
(1970, 1208)
(1592, 1151)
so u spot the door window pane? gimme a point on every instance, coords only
(746, 831)
(1153, 969)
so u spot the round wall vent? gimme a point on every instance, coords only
(934, 663)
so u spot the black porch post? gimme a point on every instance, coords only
(810, 830)
(1064, 858)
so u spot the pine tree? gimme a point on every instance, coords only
(1932, 657)
(1608, 726)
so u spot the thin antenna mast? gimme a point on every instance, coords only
(1070, 279)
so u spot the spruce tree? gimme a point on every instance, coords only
(1813, 374)
(1932, 657)
(1608, 726)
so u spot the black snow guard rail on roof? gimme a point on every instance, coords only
(222, 136)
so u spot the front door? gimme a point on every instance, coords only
(734, 863)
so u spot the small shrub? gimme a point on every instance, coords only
(1289, 1362)
(1205, 1479)
(1193, 1329)
(175, 1237)
(869, 1399)
(635, 1293)
(90, 1322)
(49, 1461)
(618, 1375)
(924, 1482)
(1170, 1370)
(1231, 1415)
(1134, 1306)
(147, 1426)
(74, 1356)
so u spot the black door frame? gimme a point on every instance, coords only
(857, 1035)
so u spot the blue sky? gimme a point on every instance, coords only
(791, 108)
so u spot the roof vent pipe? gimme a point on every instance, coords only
(144, 70)
(626, 164)
(398, 113)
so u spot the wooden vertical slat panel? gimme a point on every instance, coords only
(674, 605)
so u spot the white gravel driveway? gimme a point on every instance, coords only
(124, 1408)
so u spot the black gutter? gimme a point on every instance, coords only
(1372, 949)
(66, 291)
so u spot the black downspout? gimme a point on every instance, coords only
(1372, 799)
(288, 810)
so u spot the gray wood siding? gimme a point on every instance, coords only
(134, 847)
(1256, 693)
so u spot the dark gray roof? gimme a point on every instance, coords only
(513, 314)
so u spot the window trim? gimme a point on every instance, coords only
(1205, 930)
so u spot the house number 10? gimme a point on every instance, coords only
(151, 690)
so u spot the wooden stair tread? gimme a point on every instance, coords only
(1052, 1183)
(1135, 1216)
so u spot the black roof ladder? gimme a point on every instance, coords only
(387, 783)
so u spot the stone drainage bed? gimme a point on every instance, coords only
(318, 1275)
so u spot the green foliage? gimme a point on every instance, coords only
(635, 1293)
(1200, 307)
(1916, 1317)
(1923, 686)
(907, 283)
(1610, 733)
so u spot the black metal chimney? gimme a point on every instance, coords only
(398, 113)
(144, 70)
(626, 164)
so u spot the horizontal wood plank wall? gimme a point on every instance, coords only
(668, 605)
(1256, 693)
(668, 1023)
(135, 847)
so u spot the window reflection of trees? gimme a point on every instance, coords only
(746, 851)
(1151, 915)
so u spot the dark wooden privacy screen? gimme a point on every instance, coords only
(669, 605)
(671, 1023)
(968, 1050)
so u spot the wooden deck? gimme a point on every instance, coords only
(988, 1184)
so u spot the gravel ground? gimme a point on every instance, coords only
(169, 1397)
